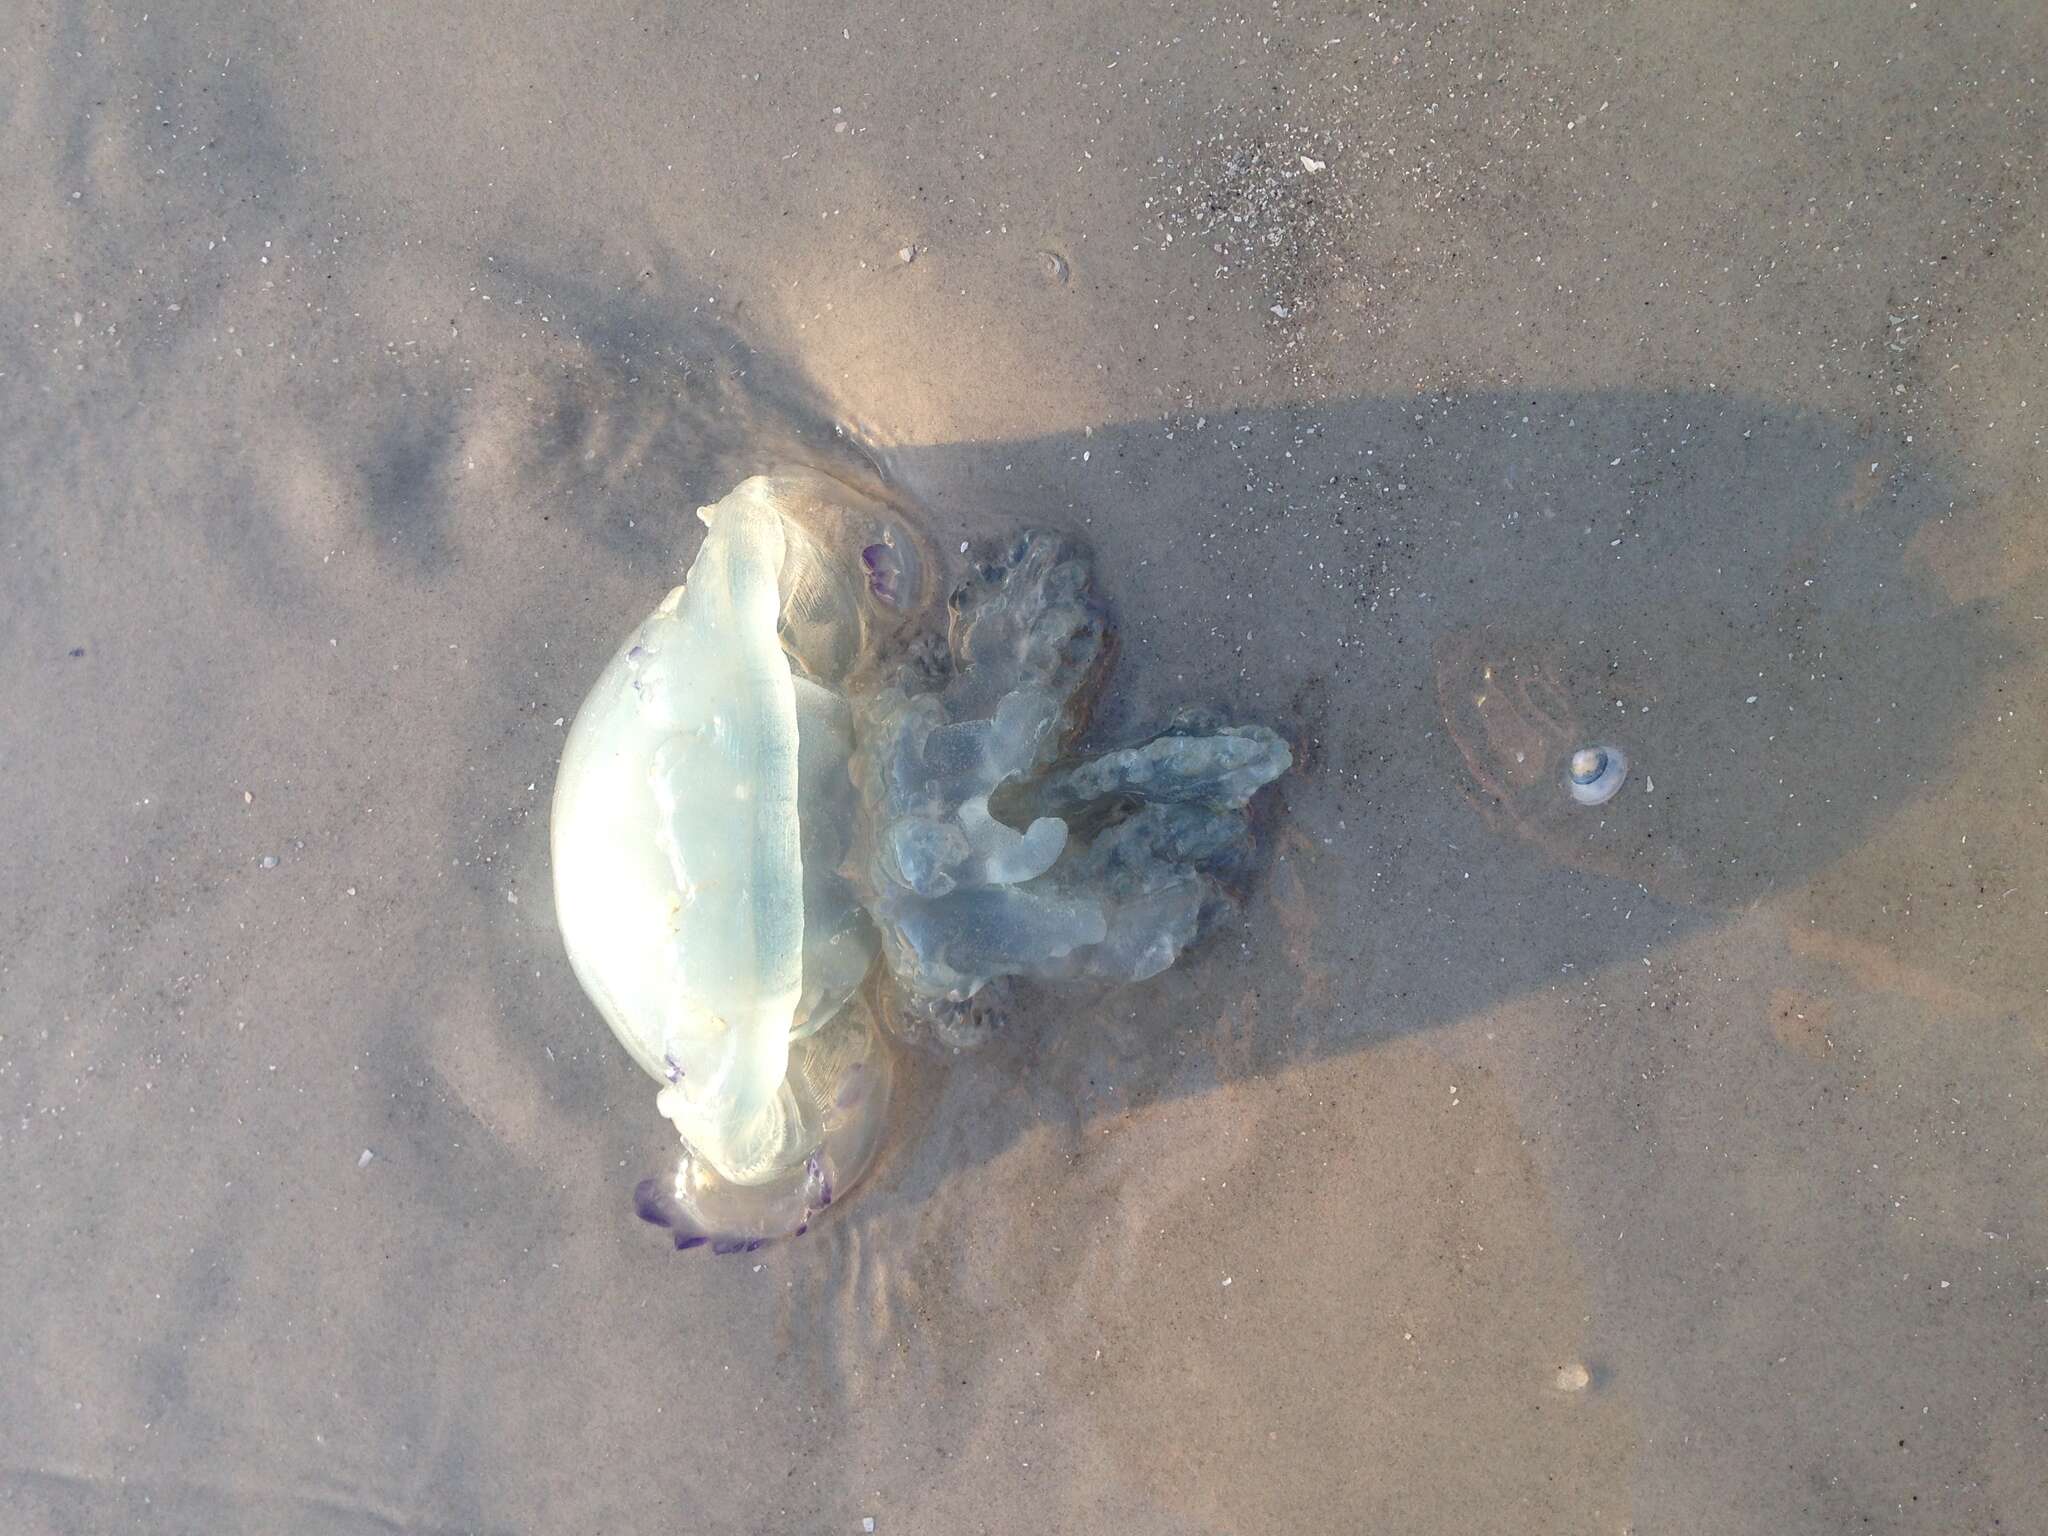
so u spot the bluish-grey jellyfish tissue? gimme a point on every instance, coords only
(988, 851)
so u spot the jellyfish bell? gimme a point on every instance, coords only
(794, 768)
(701, 817)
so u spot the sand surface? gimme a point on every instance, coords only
(1447, 384)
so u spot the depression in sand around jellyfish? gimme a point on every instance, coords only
(803, 774)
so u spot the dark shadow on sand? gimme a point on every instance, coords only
(1437, 598)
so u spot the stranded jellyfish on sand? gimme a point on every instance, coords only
(802, 763)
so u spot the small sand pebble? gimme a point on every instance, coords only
(268, 861)
(1573, 1378)
(364, 1160)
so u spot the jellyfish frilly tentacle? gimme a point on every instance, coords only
(992, 852)
(787, 774)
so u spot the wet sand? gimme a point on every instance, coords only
(1449, 386)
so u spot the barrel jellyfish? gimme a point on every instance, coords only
(806, 801)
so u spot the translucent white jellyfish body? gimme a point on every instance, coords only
(701, 816)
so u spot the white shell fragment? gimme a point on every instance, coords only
(1594, 775)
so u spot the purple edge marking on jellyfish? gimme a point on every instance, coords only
(883, 568)
(817, 1185)
(654, 1206)
(651, 1204)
